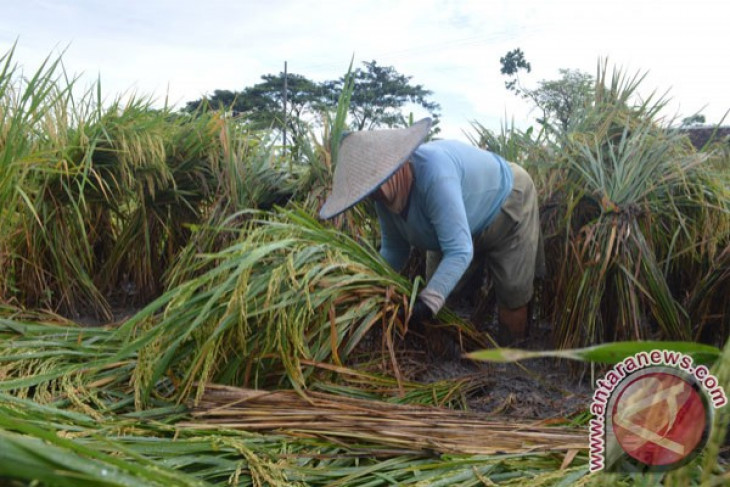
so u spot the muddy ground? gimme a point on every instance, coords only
(532, 389)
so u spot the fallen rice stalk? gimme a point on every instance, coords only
(427, 429)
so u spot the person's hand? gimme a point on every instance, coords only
(420, 314)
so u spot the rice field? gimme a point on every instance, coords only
(172, 313)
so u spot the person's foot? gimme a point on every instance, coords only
(512, 326)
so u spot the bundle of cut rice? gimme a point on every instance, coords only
(352, 421)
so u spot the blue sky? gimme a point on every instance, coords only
(183, 49)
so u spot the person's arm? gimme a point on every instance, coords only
(393, 247)
(445, 208)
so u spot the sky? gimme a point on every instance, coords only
(180, 50)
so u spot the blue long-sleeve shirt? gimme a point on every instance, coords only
(457, 192)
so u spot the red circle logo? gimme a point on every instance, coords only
(659, 419)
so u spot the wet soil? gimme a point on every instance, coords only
(541, 389)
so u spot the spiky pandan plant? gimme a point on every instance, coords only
(530, 150)
(511, 143)
(635, 196)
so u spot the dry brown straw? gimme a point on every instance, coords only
(349, 420)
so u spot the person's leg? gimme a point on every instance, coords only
(512, 243)
(514, 322)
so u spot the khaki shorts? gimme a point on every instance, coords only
(511, 247)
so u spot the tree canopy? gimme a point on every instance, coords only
(559, 100)
(380, 93)
(263, 102)
(381, 96)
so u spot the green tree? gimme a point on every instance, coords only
(380, 95)
(559, 100)
(220, 98)
(379, 99)
(512, 63)
(264, 101)
(693, 120)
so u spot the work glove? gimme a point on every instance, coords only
(420, 314)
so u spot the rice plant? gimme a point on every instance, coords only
(286, 290)
(58, 447)
(208, 166)
(81, 426)
(707, 304)
(43, 244)
(699, 266)
(97, 195)
(59, 206)
(72, 442)
(100, 197)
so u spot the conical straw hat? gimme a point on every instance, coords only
(366, 160)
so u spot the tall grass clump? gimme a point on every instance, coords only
(635, 196)
(209, 166)
(702, 267)
(30, 171)
(99, 198)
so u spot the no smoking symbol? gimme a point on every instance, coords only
(659, 419)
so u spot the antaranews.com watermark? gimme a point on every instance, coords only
(652, 412)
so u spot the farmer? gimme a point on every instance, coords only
(453, 200)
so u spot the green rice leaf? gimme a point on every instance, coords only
(608, 353)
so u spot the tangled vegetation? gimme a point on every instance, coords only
(204, 227)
